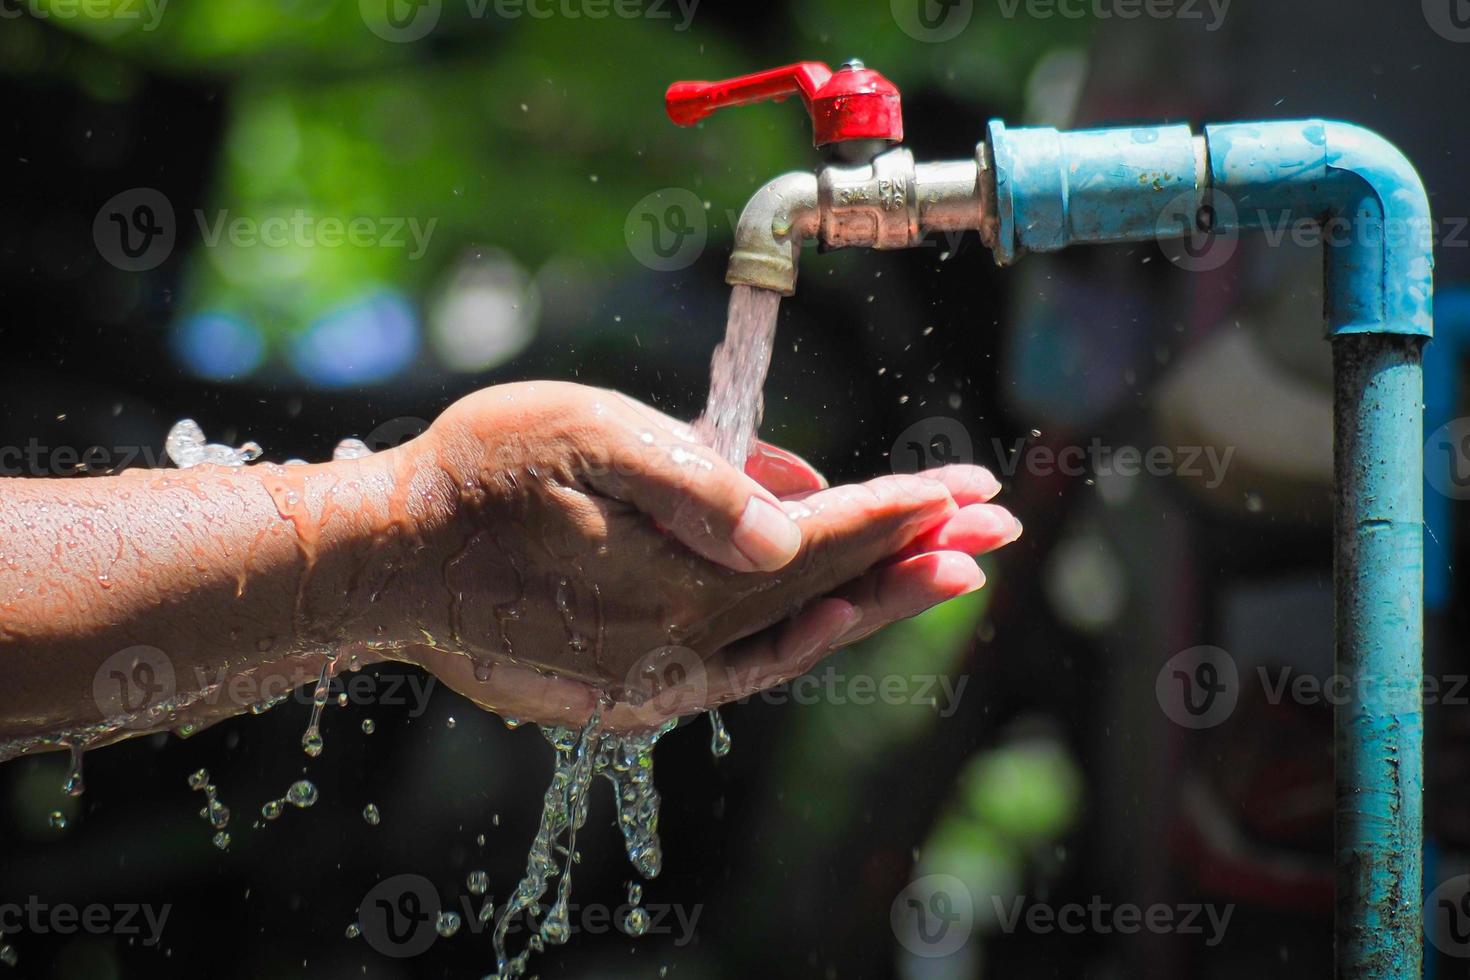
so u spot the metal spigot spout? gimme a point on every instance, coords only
(769, 234)
(887, 203)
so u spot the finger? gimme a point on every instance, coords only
(708, 505)
(907, 588)
(780, 653)
(974, 530)
(966, 483)
(783, 472)
(845, 530)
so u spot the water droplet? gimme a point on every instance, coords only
(478, 882)
(371, 815)
(57, 820)
(447, 924)
(635, 923)
(353, 931)
(74, 785)
(368, 726)
(199, 779)
(450, 722)
(271, 810)
(302, 793)
(719, 738)
(222, 839)
(8, 955)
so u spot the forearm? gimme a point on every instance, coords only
(124, 597)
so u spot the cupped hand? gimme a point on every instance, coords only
(598, 554)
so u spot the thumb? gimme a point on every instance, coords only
(708, 505)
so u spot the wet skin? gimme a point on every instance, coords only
(543, 548)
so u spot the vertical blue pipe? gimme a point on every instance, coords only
(1377, 428)
(1058, 189)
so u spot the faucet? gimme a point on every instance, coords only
(1041, 190)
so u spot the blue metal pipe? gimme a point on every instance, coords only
(1058, 189)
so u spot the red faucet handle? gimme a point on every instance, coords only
(852, 103)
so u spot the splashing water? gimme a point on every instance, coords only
(626, 761)
(214, 811)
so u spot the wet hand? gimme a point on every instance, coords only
(596, 551)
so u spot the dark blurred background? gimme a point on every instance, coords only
(533, 156)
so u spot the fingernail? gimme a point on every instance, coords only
(854, 616)
(766, 536)
(1019, 528)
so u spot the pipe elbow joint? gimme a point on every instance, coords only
(1371, 204)
(770, 231)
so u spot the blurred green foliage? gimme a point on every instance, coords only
(533, 135)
